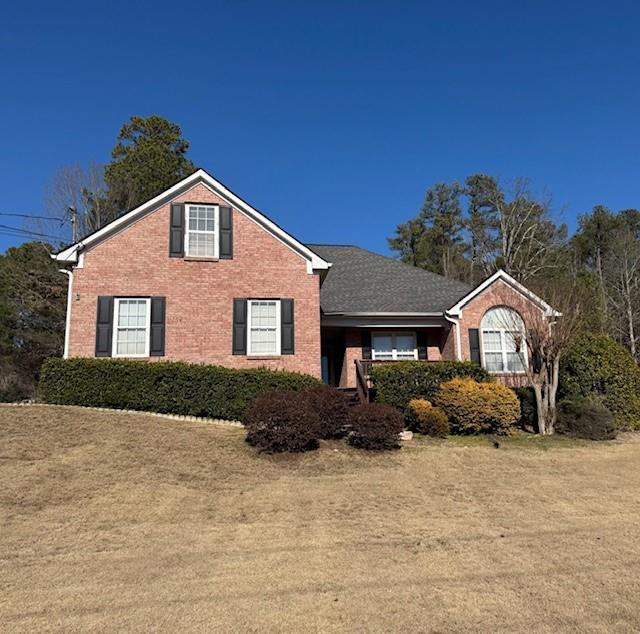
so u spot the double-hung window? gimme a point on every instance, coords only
(131, 324)
(394, 346)
(201, 235)
(264, 333)
(503, 345)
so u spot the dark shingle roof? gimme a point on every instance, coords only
(361, 281)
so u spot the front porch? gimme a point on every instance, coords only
(343, 347)
(348, 353)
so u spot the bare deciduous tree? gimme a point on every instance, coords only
(528, 239)
(74, 187)
(548, 330)
(623, 288)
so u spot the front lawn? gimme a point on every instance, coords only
(138, 523)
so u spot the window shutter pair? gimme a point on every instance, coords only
(104, 326)
(177, 229)
(240, 326)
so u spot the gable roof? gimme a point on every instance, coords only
(456, 310)
(361, 282)
(70, 254)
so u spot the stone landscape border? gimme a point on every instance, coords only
(193, 419)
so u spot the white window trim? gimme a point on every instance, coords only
(503, 350)
(215, 232)
(114, 342)
(278, 352)
(394, 350)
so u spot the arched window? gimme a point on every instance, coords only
(502, 334)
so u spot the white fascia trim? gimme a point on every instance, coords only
(381, 322)
(383, 314)
(316, 263)
(456, 311)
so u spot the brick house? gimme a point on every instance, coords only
(199, 275)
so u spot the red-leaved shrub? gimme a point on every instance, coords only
(331, 407)
(375, 426)
(282, 421)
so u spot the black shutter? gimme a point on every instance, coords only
(239, 345)
(421, 343)
(176, 231)
(366, 344)
(474, 345)
(104, 326)
(226, 233)
(156, 343)
(286, 325)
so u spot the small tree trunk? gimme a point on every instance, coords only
(541, 408)
(552, 389)
(632, 334)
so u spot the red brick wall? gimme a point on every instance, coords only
(199, 294)
(352, 351)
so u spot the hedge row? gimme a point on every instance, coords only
(399, 383)
(165, 387)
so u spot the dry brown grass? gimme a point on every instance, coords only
(126, 522)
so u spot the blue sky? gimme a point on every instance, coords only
(332, 117)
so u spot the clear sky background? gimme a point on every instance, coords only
(332, 117)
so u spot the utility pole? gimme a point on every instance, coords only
(73, 214)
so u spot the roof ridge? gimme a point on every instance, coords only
(330, 244)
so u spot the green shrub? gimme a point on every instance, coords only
(597, 365)
(282, 421)
(585, 418)
(331, 407)
(166, 387)
(398, 383)
(424, 418)
(528, 408)
(375, 426)
(478, 408)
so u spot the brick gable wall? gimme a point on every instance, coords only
(199, 294)
(498, 294)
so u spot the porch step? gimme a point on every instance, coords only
(351, 395)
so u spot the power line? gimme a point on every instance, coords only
(5, 213)
(16, 231)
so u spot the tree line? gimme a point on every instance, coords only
(465, 231)
(468, 231)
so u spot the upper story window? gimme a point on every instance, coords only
(394, 346)
(131, 324)
(201, 234)
(502, 334)
(264, 332)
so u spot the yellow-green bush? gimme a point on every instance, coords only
(427, 419)
(478, 408)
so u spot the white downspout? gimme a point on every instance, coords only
(457, 344)
(67, 324)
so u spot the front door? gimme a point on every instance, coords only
(332, 357)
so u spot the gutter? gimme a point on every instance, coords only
(67, 323)
(458, 343)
